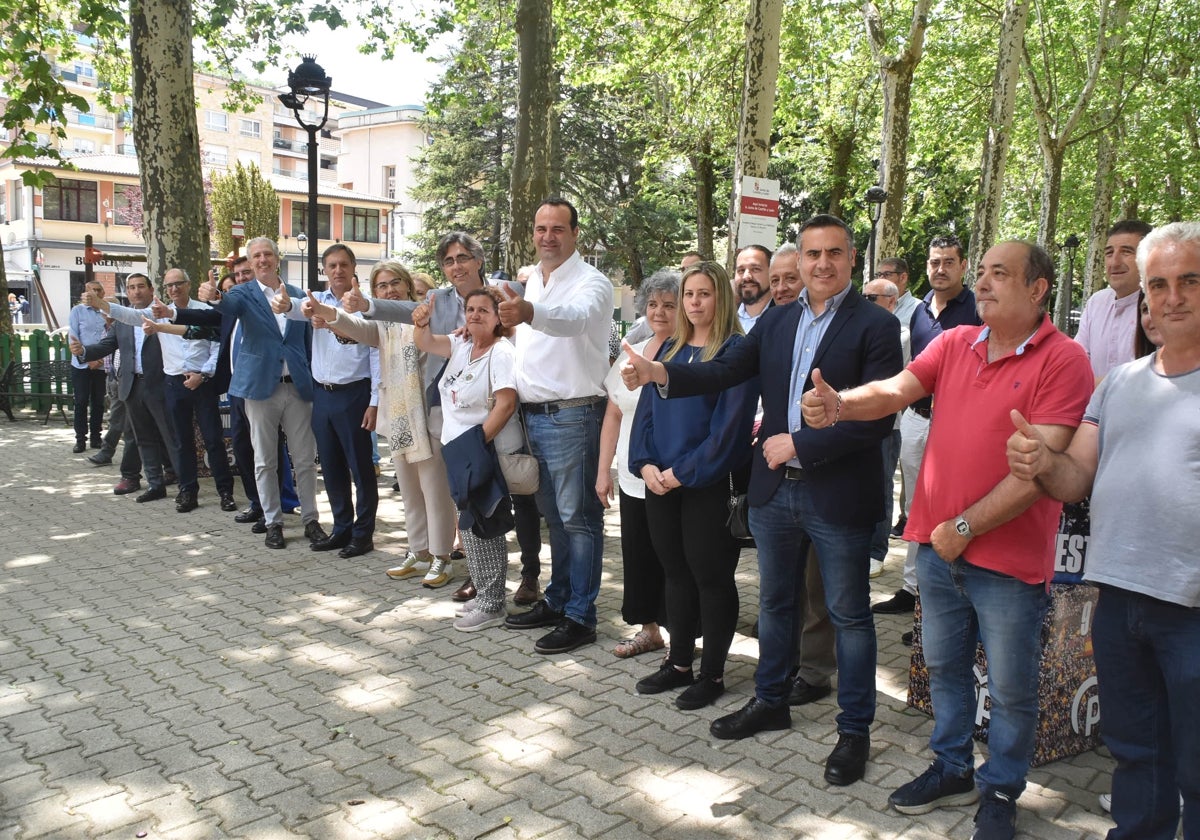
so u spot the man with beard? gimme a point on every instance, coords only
(751, 285)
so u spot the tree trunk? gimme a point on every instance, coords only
(1104, 185)
(533, 150)
(896, 75)
(702, 166)
(998, 135)
(758, 104)
(841, 153)
(164, 129)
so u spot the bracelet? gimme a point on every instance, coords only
(837, 412)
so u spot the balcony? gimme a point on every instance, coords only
(97, 121)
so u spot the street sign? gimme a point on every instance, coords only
(759, 213)
(239, 228)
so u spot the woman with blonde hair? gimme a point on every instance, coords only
(685, 450)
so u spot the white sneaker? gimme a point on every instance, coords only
(1106, 803)
(876, 569)
(409, 567)
(479, 620)
(441, 572)
(465, 607)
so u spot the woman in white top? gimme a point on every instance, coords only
(478, 388)
(643, 600)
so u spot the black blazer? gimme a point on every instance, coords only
(843, 464)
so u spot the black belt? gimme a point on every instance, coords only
(927, 413)
(334, 386)
(794, 474)
(559, 405)
(285, 379)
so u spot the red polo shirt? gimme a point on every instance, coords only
(1049, 380)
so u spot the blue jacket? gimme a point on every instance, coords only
(263, 348)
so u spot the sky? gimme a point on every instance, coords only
(401, 81)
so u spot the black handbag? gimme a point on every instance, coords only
(738, 521)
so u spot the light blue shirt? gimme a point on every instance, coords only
(337, 363)
(87, 325)
(809, 332)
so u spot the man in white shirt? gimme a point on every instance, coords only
(563, 325)
(1110, 316)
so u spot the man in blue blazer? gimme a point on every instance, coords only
(273, 374)
(806, 484)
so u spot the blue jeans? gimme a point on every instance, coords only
(1148, 668)
(567, 446)
(891, 457)
(782, 530)
(960, 604)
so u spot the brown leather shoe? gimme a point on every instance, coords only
(465, 592)
(527, 593)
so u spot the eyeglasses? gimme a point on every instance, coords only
(461, 259)
(392, 284)
(887, 274)
(175, 285)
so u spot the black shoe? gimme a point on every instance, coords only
(153, 494)
(756, 716)
(80, 446)
(540, 616)
(331, 542)
(227, 502)
(259, 526)
(250, 514)
(101, 458)
(356, 548)
(906, 638)
(902, 602)
(315, 532)
(127, 485)
(703, 692)
(664, 679)
(898, 530)
(274, 537)
(802, 693)
(568, 635)
(396, 486)
(186, 501)
(934, 789)
(848, 761)
(996, 818)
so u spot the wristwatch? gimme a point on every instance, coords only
(963, 527)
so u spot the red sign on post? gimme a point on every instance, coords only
(238, 228)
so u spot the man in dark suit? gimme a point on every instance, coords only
(823, 486)
(273, 375)
(140, 385)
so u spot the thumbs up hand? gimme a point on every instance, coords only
(208, 292)
(281, 304)
(1027, 451)
(821, 405)
(354, 300)
(514, 309)
(160, 309)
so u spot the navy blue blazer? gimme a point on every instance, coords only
(843, 464)
(263, 349)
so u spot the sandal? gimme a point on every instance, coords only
(642, 642)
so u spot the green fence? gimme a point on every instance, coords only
(38, 346)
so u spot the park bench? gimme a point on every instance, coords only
(45, 384)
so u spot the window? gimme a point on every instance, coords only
(18, 199)
(250, 128)
(216, 155)
(69, 200)
(389, 181)
(360, 224)
(216, 120)
(82, 145)
(121, 193)
(248, 157)
(300, 220)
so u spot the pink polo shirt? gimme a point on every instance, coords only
(1106, 330)
(1049, 380)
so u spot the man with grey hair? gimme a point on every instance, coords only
(1136, 453)
(784, 275)
(987, 538)
(273, 374)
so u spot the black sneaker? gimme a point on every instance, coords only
(902, 602)
(996, 818)
(568, 635)
(934, 789)
(703, 692)
(664, 679)
(542, 615)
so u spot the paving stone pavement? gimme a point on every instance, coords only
(166, 676)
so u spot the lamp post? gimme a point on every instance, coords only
(1070, 246)
(308, 81)
(875, 197)
(302, 244)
